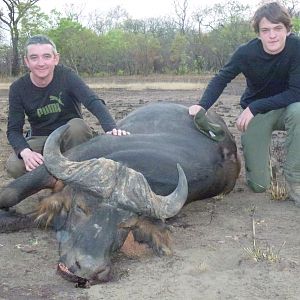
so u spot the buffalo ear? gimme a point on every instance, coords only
(52, 205)
(155, 233)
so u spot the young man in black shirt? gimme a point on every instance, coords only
(271, 101)
(50, 95)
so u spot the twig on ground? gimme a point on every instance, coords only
(256, 252)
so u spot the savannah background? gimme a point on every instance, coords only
(239, 246)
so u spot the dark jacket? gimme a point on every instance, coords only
(52, 106)
(273, 81)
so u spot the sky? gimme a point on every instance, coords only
(136, 8)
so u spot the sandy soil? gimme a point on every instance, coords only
(213, 238)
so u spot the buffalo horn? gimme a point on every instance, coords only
(113, 182)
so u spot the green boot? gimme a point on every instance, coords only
(211, 130)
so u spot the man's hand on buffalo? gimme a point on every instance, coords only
(31, 159)
(194, 109)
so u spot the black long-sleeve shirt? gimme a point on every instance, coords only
(52, 106)
(273, 81)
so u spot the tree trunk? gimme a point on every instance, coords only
(15, 66)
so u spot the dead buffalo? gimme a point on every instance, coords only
(117, 185)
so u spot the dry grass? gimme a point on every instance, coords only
(219, 197)
(138, 83)
(4, 85)
(267, 254)
(259, 253)
(278, 190)
(138, 86)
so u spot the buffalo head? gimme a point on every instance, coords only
(102, 202)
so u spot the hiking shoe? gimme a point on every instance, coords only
(293, 189)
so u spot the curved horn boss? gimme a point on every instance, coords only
(113, 182)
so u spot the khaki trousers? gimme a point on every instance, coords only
(78, 132)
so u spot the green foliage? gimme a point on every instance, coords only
(116, 44)
(224, 41)
(145, 50)
(34, 22)
(179, 58)
(5, 60)
(296, 25)
(77, 45)
(10, 17)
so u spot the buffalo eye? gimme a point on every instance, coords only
(80, 210)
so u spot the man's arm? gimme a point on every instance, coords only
(217, 84)
(79, 90)
(16, 120)
(94, 104)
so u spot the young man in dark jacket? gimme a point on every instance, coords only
(271, 101)
(50, 95)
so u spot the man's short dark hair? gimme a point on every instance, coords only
(275, 13)
(39, 39)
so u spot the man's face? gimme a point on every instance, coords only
(272, 36)
(41, 61)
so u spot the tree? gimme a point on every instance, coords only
(115, 50)
(16, 10)
(292, 7)
(73, 41)
(213, 17)
(144, 52)
(102, 23)
(5, 58)
(181, 11)
(34, 22)
(178, 56)
(220, 29)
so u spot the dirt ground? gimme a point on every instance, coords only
(214, 252)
